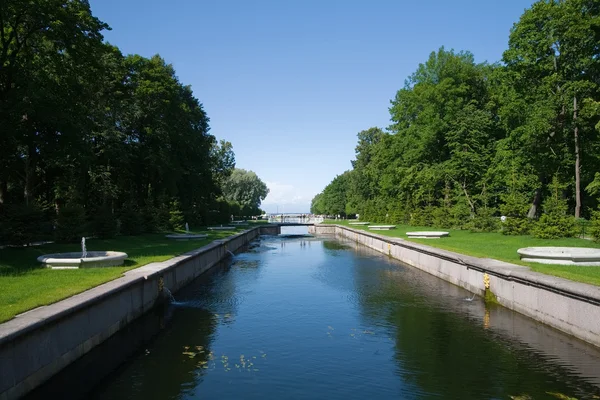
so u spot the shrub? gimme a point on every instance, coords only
(516, 226)
(485, 221)
(104, 223)
(131, 221)
(70, 224)
(421, 216)
(176, 220)
(22, 224)
(515, 208)
(594, 228)
(460, 214)
(555, 223)
(440, 217)
(554, 227)
(397, 215)
(155, 219)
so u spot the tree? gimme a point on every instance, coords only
(316, 206)
(86, 128)
(469, 139)
(48, 52)
(554, 60)
(444, 132)
(245, 188)
(223, 160)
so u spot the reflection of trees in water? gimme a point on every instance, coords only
(442, 345)
(165, 372)
(181, 355)
(334, 245)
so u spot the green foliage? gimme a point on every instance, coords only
(131, 222)
(154, 219)
(71, 224)
(22, 224)
(485, 221)
(87, 125)
(515, 204)
(553, 227)
(176, 220)
(467, 136)
(104, 223)
(422, 216)
(516, 226)
(441, 217)
(245, 188)
(555, 222)
(594, 229)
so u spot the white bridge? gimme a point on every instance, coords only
(299, 219)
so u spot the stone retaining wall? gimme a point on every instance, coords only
(37, 344)
(568, 306)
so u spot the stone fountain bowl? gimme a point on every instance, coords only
(186, 236)
(561, 255)
(427, 234)
(75, 260)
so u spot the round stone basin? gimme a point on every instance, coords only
(186, 236)
(561, 255)
(426, 235)
(74, 260)
(381, 227)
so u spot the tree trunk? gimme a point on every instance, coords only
(577, 161)
(471, 205)
(535, 204)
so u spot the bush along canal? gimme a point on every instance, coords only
(315, 317)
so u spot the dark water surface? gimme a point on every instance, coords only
(316, 318)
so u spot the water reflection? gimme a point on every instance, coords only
(309, 317)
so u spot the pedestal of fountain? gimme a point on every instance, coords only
(561, 255)
(427, 234)
(77, 260)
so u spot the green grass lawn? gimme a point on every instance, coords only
(24, 284)
(500, 247)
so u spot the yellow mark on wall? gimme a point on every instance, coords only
(161, 284)
(486, 281)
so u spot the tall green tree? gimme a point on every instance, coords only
(553, 63)
(245, 188)
(49, 53)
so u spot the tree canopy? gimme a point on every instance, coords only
(471, 141)
(246, 189)
(91, 133)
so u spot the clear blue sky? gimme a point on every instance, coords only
(290, 83)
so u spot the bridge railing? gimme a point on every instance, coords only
(295, 220)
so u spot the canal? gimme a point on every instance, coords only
(297, 317)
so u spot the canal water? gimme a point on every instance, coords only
(317, 318)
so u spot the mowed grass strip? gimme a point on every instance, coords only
(25, 284)
(497, 246)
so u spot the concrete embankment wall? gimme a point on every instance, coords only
(568, 306)
(37, 344)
